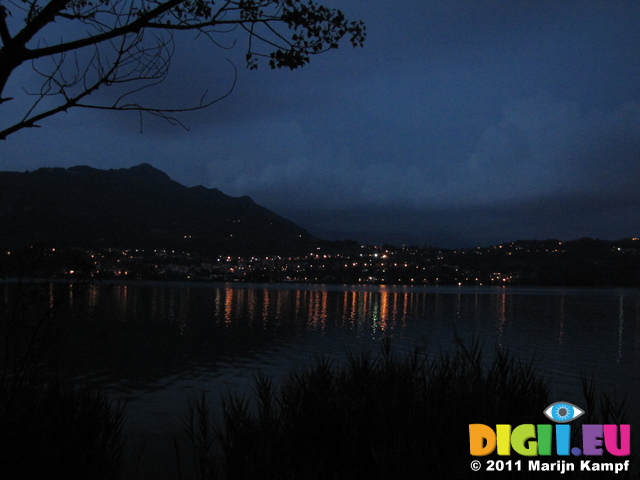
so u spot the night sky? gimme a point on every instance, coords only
(460, 123)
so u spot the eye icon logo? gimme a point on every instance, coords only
(563, 412)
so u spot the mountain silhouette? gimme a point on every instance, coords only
(138, 207)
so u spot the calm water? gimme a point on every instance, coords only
(157, 345)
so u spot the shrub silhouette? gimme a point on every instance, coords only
(379, 417)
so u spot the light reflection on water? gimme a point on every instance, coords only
(183, 326)
(156, 345)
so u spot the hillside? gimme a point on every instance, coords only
(138, 207)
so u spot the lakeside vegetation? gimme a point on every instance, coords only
(52, 428)
(379, 417)
(50, 425)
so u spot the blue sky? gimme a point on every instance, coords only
(459, 123)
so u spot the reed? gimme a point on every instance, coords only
(199, 427)
(379, 417)
(382, 417)
(50, 428)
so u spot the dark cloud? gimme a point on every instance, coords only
(563, 217)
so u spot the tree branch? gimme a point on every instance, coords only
(31, 122)
(132, 42)
(5, 36)
(133, 27)
(166, 114)
(42, 19)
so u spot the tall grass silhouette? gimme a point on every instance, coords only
(50, 427)
(380, 416)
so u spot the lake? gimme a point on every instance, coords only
(155, 345)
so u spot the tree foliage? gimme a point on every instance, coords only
(75, 47)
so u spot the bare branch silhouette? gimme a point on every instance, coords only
(129, 44)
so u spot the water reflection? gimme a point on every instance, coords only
(156, 345)
(561, 319)
(228, 304)
(313, 310)
(147, 331)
